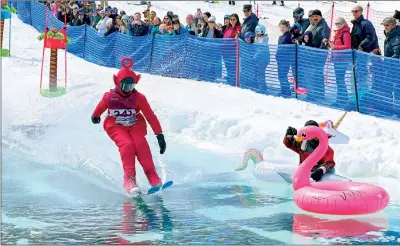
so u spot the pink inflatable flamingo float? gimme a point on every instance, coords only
(338, 198)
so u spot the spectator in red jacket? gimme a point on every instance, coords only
(306, 148)
(341, 61)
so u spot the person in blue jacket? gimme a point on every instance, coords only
(284, 58)
(250, 22)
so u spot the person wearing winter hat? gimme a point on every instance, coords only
(306, 148)
(125, 124)
(298, 14)
(250, 22)
(307, 39)
(392, 41)
(211, 30)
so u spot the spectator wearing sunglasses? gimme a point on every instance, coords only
(363, 32)
(177, 27)
(233, 27)
(300, 24)
(231, 31)
(250, 21)
(167, 21)
(363, 38)
(341, 61)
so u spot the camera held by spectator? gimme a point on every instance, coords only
(397, 15)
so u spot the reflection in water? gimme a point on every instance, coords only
(93, 215)
(139, 217)
(365, 229)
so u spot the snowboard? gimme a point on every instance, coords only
(155, 189)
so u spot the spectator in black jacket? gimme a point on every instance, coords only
(62, 14)
(363, 35)
(363, 38)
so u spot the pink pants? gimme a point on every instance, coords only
(132, 145)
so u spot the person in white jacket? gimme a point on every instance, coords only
(102, 25)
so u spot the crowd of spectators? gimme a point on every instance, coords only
(313, 32)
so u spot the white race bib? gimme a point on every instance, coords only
(126, 117)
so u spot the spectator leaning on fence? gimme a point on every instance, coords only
(211, 31)
(110, 27)
(320, 30)
(101, 26)
(138, 27)
(226, 23)
(190, 25)
(125, 26)
(250, 21)
(156, 26)
(281, 58)
(95, 18)
(363, 32)
(300, 23)
(341, 61)
(392, 41)
(320, 40)
(234, 26)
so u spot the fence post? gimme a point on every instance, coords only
(355, 79)
(368, 5)
(153, 37)
(257, 9)
(84, 42)
(30, 11)
(237, 62)
(296, 68)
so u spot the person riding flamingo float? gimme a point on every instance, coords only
(306, 148)
(127, 127)
(332, 197)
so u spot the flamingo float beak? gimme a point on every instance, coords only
(298, 138)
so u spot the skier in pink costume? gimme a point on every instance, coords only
(127, 127)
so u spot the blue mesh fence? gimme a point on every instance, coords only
(212, 60)
(138, 48)
(348, 80)
(379, 80)
(167, 56)
(326, 75)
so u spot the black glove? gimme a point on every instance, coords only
(291, 131)
(161, 143)
(317, 174)
(95, 120)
